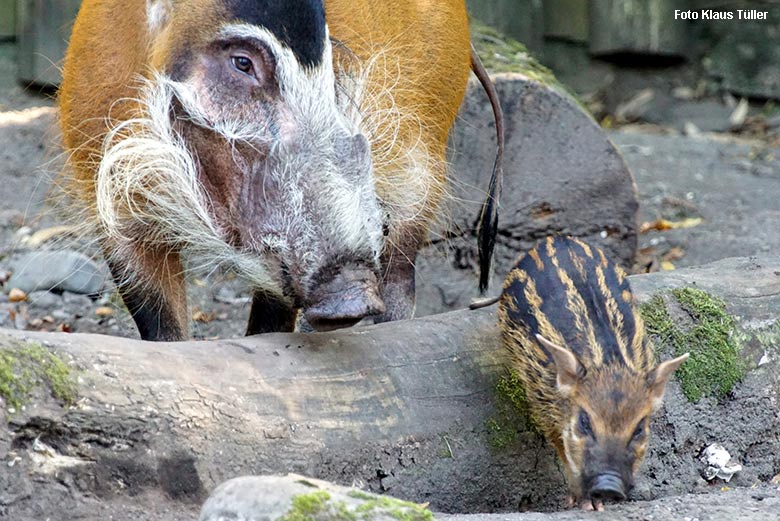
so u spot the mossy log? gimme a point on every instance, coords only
(409, 408)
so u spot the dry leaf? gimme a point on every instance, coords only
(202, 316)
(634, 107)
(738, 117)
(104, 311)
(36, 323)
(664, 224)
(45, 235)
(674, 254)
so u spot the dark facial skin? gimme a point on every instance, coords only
(282, 173)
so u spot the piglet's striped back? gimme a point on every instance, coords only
(572, 294)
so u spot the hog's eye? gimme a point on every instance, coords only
(639, 432)
(583, 424)
(242, 64)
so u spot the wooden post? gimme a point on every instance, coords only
(637, 27)
(566, 20)
(43, 30)
(7, 19)
(520, 19)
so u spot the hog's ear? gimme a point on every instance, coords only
(659, 377)
(158, 13)
(569, 368)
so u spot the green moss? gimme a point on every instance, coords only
(511, 388)
(311, 503)
(395, 508)
(499, 53)
(26, 367)
(767, 337)
(500, 434)
(715, 364)
(512, 414)
(359, 494)
(317, 506)
(320, 506)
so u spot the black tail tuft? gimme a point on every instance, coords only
(488, 229)
(488, 218)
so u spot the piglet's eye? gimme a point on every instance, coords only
(583, 424)
(242, 64)
(639, 432)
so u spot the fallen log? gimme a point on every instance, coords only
(407, 408)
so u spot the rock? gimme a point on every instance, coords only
(16, 295)
(76, 300)
(297, 497)
(746, 60)
(45, 300)
(707, 116)
(62, 270)
(60, 315)
(561, 175)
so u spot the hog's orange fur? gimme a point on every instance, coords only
(420, 52)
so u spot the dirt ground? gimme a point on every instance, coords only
(757, 504)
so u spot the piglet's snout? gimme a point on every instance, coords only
(608, 487)
(351, 295)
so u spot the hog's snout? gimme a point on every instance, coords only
(349, 295)
(608, 487)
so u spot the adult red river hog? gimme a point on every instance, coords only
(309, 157)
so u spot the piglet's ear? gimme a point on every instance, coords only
(569, 368)
(659, 377)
